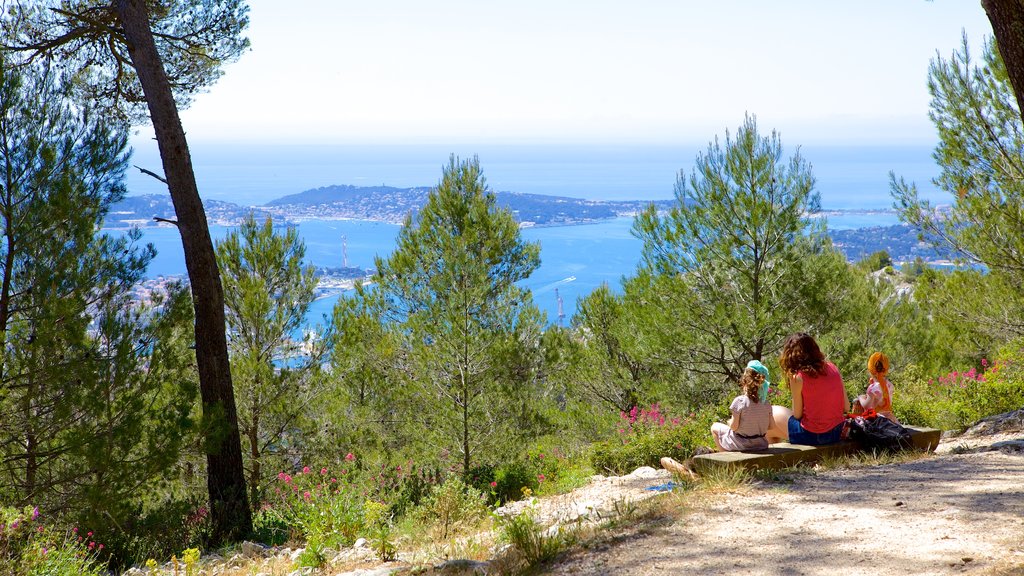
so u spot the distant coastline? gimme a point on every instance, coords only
(390, 205)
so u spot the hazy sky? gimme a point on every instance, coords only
(582, 71)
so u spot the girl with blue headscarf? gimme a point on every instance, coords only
(751, 413)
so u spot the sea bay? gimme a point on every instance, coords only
(574, 259)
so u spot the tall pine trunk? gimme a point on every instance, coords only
(1007, 19)
(232, 519)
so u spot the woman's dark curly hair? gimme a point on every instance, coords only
(800, 353)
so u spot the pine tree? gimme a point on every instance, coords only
(472, 332)
(267, 292)
(737, 264)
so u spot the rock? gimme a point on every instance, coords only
(386, 571)
(253, 550)
(462, 568)
(644, 472)
(360, 543)
(1009, 445)
(296, 553)
(304, 571)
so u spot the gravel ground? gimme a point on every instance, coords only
(958, 511)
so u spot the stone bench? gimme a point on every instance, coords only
(783, 454)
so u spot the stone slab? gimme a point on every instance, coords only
(783, 455)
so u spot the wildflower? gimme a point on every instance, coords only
(100, 547)
(306, 495)
(323, 471)
(35, 512)
(44, 550)
(92, 545)
(89, 534)
(305, 469)
(334, 480)
(494, 484)
(350, 457)
(984, 362)
(540, 477)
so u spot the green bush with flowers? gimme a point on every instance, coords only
(647, 434)
(29, 546)
(960, 398)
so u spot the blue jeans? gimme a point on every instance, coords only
(799, 435)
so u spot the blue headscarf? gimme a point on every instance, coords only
(762, 370)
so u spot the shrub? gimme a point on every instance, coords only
(960, 398)
(511, 478)
(377, 519)
(28, 546)
(159, 532)
(529, 539)
(402, 486)
(269, 527)
(644, 436)
(451, 506)
(320, 507)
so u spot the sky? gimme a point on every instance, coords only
(582, 71)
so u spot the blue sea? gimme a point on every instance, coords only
(574, 259)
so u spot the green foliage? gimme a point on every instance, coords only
(876, 261)
(270, 528)
(267, 292)
(451, 507)
(736, 265)
(401, 486)
(981, 143)
(471, 333)
(158, 532)
(378, 520)
(194, 38)
(97, 392)
(29, 547)
(960, 398)
(529, 539)
(645, 436)
(313, 555)
(322, 507)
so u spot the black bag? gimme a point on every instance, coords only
(879, 433)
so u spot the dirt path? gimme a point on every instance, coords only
(945, 514)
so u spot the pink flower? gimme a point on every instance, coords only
(540, 477)
(305, 469)
(35, 512)
(541, 455)
(306, 496)
(494, 484)
(92, 545)
(334, 480)
(350, 457)
(323, 471)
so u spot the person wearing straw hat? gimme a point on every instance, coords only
(751, 413)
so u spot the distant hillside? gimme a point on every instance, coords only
(391, 204)
(901, 241)
(140, 211)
